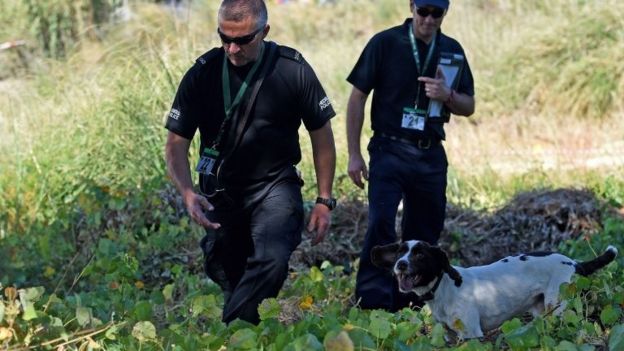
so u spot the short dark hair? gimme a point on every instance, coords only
(237, 10)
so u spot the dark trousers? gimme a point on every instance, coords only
(400, 171)
(248, 256)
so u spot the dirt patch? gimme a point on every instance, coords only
(532, 221)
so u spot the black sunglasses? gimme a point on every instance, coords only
(244, 40)
(435, 12)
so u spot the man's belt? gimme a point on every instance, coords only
(423, 143)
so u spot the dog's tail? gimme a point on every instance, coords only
(589, 267)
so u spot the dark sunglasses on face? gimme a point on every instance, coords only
(245, 39)
(435, 12)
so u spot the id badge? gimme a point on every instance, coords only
(413, 118)
(207, 161)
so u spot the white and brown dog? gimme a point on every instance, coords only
(476, 299)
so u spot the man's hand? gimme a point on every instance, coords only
(320, 220)
(436, 88)
(357, 170)
(195, 205)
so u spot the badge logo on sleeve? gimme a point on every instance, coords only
(413, 118)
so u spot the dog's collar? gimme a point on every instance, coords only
(429, 295)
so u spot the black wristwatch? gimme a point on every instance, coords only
(330, 203)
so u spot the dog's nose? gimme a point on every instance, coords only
(402, 266)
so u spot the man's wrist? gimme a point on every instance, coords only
(450, 97)
(330, 202)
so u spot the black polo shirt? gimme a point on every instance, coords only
(290, 94)
(387, 66)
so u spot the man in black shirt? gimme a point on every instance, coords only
(248, 99)
(407, 159)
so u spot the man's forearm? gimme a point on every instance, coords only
(178, 167)
(324, 153)
(355, 120)
(180, 174)
(461, 104)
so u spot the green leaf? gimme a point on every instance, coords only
(618, 297)
(110, 332)
(380, 328)
(362, 340)
(83, 316)
(142, 311)
(1, 311)
(399, 345)
(598, 329)
(157, 297)
(269, 308)
(616, 338)
(31, 294)
(338, 341)
(566, 346)
(588, 328)
(437, 335)
(474, 345)
(305, 342)
(511, 325)
(381, 314)
(523, 337)
(144, 331)
(27, 297)
(422, 344)
(243, 339)
(406, 330)
(583, 282)
(206, 305)
(569, 317)
(29, 312)
(168, 292)
(578, 305)
(610, 315)
(567, 290)
(315, 274)
(548, 342)
(326, 264)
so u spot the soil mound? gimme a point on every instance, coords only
(532, 221)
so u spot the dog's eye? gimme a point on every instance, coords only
(417, 255)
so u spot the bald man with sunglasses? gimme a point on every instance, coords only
(248, 99)
(407, 160)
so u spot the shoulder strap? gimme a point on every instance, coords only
(242, 120)
(252, 97)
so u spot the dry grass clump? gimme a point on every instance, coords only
(561, 58)
(537, 220)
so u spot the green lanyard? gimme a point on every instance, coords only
(228, 105)
(421, 69)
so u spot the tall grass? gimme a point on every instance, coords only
(92, 123)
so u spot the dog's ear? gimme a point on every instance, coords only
(385, 256)
(446, 265)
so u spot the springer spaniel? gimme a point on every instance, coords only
(471, 300)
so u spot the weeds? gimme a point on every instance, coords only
(90, 247)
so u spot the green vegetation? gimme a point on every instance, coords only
(94, 252)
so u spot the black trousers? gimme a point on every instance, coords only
(400, 171)
(248, 256)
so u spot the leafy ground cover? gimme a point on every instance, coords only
(135, 282)
(97, 253)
